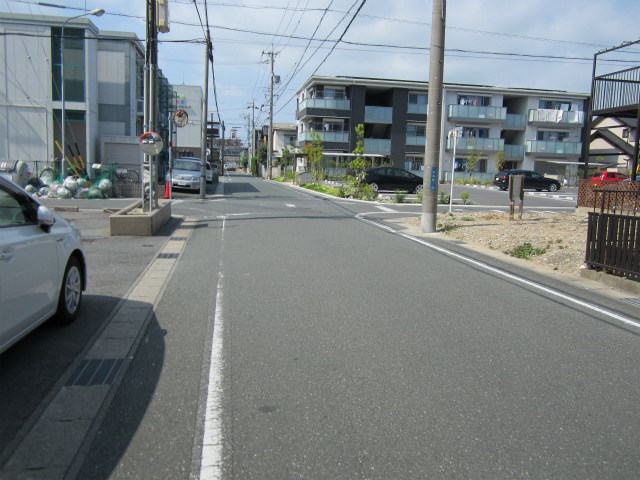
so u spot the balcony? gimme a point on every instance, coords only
(325, 103)
(326, 137)
(515, 122)
(378, 114)
(554, 149)
(549, 117)
(472, 113)
(486, 145)
(416, 140)
(513, 152)
(417, 108)
(377, 145)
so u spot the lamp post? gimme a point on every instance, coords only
(97, 12)
(456, 133)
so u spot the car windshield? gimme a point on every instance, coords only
(186, 165)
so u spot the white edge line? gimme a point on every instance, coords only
(510, 276)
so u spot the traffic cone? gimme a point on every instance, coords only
(167, 191)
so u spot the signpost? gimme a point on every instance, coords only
(516, 191)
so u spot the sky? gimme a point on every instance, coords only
(546, 44)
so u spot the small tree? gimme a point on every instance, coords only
(358, 164)
(284, 162)
(313, 151)
(473, 157)
(500, 161)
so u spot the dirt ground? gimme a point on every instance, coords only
(557, 242)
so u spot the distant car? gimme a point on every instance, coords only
(392, 178)
(185, 173)
(532, 180)
(42, 265)
(601, 178)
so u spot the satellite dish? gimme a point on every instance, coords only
(180, 118)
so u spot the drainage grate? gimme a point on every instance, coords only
(97, 371)
(178, 238)
(634, 301)
(167, 255)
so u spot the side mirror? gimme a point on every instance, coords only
(45, 217)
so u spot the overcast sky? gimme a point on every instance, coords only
(504, 43)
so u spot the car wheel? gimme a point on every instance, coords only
(70, 293)
(553, 187)
(374, 186)
(419, 188)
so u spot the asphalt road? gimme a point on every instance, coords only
(302, 342)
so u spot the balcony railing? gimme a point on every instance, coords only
(326, 103)
(540, 147)
(486, 145)
(416, 140)
(515, 122)
(543, 116)
(417, 108)
(513, 152)
(482, 114)
(333, 137)
(378, 114)
(377, 145)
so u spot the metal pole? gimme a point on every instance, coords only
(270, 145)
(434, 118)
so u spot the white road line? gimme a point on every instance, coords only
(385, 209)
(516, 278)
(290, 205)
(212, 438)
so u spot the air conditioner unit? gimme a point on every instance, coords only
(162, 15)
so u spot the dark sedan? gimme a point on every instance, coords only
(391, 178)
(532, 180)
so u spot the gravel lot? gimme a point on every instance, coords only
(562, 237)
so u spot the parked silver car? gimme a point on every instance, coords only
(42, 265)
(185, 173)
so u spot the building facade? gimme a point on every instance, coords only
(103, 92)
(539, 130)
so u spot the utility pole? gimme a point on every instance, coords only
(203, 142)
(270, 135)
(434, 119)
(150, 103)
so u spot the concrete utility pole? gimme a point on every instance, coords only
(270, 135)
(434, 119)
(151, 103)
(203, 142)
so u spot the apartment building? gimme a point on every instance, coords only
(103, 94)
(533, 129)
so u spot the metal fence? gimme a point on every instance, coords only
(613, 233)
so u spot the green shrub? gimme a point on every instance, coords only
(399, 196)
(419, 195)
(443, 197)
(465, 197)
(525, 251)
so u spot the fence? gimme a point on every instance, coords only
(613, 232)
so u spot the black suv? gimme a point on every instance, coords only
(532, 180)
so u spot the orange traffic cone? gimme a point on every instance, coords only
(167, 191)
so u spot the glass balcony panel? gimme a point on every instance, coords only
(378, 114)
(553, 148)
(482, 144)
(515, 122)
(471, 112)
(416, 140)
(514, 152)
(377, 145)
(326, 103)
(334, 137)
(556, 117)
(417, 108)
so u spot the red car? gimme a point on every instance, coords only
(600, 178)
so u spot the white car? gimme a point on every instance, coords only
(185, 173)
(42, 265)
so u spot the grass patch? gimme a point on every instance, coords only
(321, 189)
(525, 251)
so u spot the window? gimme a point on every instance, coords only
(416, 130)
(551, 136)
(73, 56)
(474, 100)
(555, 105)
(417, 98)
(470, 132)
(15, 210)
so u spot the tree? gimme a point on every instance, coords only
(358, 164)
(500, 162)
(284, 161)
(473, 157)
(313, 151)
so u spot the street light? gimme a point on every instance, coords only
(98, 12)
(456, 133)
